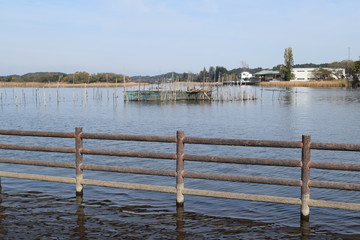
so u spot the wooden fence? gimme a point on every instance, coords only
(305, 183)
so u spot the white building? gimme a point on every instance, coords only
(306, 74)
(245, 76)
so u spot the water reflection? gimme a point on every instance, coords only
(180, 223)
(80, 230)
(304, 228)
(3, 230)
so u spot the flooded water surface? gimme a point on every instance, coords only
(43, 210)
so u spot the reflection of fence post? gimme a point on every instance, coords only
(305, 177)
(79, 161)
(181, 234)
(179, 168)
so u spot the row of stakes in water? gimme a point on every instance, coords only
(44, 96)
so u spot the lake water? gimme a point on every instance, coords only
(42, 210)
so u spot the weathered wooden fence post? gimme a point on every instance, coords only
(305, 177)
(79, 161)
(179, 168)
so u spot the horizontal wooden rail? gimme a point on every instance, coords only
(335, 146)
(37, 177)
(335, 185)
(305, 164)
(240, 160)
(335, 166)
(242, 196)
(128, 137)
(132, 186)
(37, 148)
(89, 182)
(129, 154)
(37, 133)
(146, 171)
(38, 163)
(247, 179)
(240, 142)
(335, 205)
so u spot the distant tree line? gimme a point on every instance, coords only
(212, 74)
(78, 77)
(33, 77)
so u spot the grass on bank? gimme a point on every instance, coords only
(55, 84)
(314, 84)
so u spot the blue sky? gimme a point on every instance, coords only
(150, 37)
